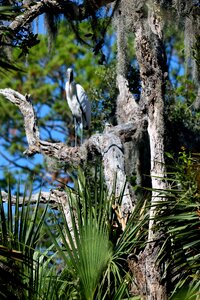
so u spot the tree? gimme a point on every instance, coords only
(49, 100)
(141, 123)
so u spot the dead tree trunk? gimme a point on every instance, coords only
(127, 108)
(151, 59)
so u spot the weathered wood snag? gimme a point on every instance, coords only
(108, 145)
(137, 142)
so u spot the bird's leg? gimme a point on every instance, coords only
(75, 129)
(81, 130)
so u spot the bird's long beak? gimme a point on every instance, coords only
(70, 76)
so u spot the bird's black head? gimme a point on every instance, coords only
(70, 75)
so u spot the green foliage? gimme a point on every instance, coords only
(188, 292)
(104, 97)
(44, 77)
(6, 36)
(20, 231)
(91, 243)
(196, 51)
(86, 242)
(182, 120)
(87, 259)
(186, 90)
(179, 219)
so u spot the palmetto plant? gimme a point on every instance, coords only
(180, 220)
(93, 247)
(20, 231)
(87, 258)
(88, 255)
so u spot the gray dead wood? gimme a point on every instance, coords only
(108, 145)
(151, 59)
(55, 199)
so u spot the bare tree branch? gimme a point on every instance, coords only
(54, 198)
(26, 108)
(28, 16)
(108, 145)
(68, 8)
(45, 197)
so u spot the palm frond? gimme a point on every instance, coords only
(19, 234)
(178, 219)
(85, 247)
(92, 244)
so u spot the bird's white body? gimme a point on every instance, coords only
(79, 104)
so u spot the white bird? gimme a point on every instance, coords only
(79, 105)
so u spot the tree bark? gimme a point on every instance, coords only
(127, 108)
(151, 60)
